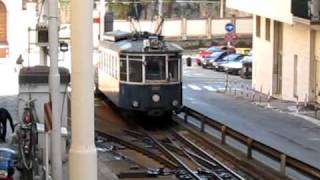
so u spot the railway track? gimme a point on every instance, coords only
(176, 158)
(185, 163)
(183, 152)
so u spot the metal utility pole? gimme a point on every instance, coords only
(222, 8)
(160, 5)
(54, 81)
(43, 19)
(83, 153)
(102, 13)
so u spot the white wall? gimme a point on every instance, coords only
(172, 28)
(169, 31)
(263, 60)
(218, 26)
(17, 27)
(196, 27)
(244, 26)
(297, 41)
(275, 9)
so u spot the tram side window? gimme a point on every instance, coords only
(135, 71)
(173, 69)
(104, 64)
(155, 68)
(116, 75)
(123, 70)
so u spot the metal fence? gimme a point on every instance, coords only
(251, 144)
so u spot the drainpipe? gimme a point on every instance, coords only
(83, 154)
(54, 82)
(102, 13)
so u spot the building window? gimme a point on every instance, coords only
(268, 29)
(3, 23)
(258, 24)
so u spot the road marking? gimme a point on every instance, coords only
(209, 88)
(194, 87)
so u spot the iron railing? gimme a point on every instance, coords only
(285, 160)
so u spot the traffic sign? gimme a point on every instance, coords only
(229, 27)
(230, 36)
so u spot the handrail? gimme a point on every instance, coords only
(252, 144)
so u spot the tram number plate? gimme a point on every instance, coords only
(155, 88)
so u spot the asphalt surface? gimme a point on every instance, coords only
(290, 134)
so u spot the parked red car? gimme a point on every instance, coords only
(205, 53)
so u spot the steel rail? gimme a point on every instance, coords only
(206, 155)
(171, 155)
(252, 144)
(137, 148)
(204, 162)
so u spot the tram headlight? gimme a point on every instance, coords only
(175, 102)
(135, 104)
(155, 98)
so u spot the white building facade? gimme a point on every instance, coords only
(15, 18)
(286, 47)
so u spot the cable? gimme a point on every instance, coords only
(178, 1)
(42, 4)
(153, 12)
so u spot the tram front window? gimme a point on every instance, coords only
(123, 70)
(155, 68)
(135, 71)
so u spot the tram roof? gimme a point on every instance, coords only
(136, 46)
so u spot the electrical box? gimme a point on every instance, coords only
(42, 35)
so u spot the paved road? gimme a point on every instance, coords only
(290, 134)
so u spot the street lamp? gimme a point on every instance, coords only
(64, 47)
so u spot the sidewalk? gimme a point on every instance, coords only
(300, 109)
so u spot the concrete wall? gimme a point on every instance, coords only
(279, 10)
(18, 21)
(196, 27)
(263, 60)
(297, 41)
(171, 32)
(174, 28)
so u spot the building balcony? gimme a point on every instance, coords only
(300, 8)
(306, 9)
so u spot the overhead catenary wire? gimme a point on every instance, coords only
(164, 1)
(40, 11)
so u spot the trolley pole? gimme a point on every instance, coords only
(83, 154)
(160, 5)
(54, 82)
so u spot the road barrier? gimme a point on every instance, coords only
(285, 160)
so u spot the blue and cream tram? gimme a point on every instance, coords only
(140, 72)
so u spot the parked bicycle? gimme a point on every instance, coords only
(27, 137)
